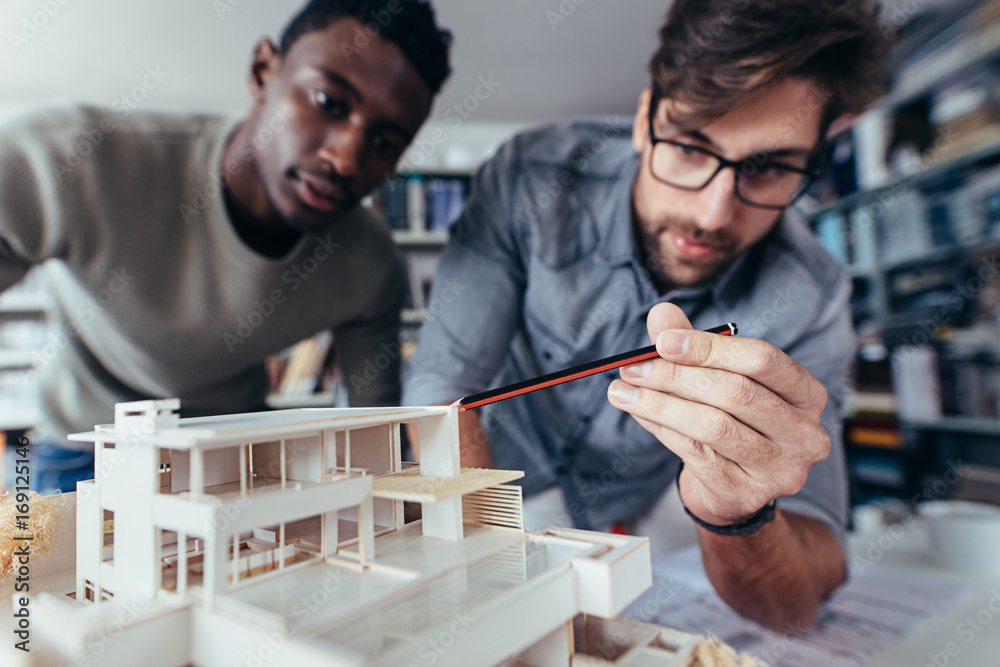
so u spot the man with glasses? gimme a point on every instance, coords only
(587, 239)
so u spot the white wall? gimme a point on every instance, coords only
(551, 58)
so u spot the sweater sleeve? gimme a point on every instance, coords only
(33, 180)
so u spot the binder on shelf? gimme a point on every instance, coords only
(905, 228)
(421, 268)
(415, 298)
(979, 483)
(392, 201)
(419, 204)
(974, 208)
(416, 204)
(446, 199)
(862, 242)
(916, 383)
(830, 228)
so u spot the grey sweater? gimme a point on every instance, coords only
(155, 294)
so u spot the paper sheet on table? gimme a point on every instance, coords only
(874, 610)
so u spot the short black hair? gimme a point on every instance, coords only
(409, 24)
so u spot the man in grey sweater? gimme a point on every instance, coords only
(184, 249)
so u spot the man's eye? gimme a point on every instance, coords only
(387, 148)
(689, 154)
(773, 169)
(328, 103)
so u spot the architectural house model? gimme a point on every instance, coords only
(279, 539)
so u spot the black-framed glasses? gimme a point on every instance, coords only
(761, 180)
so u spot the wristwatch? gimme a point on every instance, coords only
(744, 526)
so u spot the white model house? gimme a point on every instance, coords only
(278, 538)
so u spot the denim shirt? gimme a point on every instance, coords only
(542, 272)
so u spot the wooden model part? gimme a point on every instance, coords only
(411, 485)
(279, 538)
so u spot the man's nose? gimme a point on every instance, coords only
(717, 202)
(343, 150)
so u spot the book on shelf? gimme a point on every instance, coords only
(416, 203)
(391, 202)
(420, 203)
(874, 431)
(420, 269)
(833, 236)
(905, 229)
(872, 403)
(445, 199)
(991, 208)
(300, 371)
(416, 298)
(871, 406)
(873, 421)
(916, 382)
(24, 333)
(887, 473)
(975, 207)
(979, 483)
(970, 371)
(861, 245)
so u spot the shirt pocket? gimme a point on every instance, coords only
(551, 351)
(552, 220)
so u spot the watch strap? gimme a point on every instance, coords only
(745, 526)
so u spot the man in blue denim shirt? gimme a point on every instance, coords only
(587, 239)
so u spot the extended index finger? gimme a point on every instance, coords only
(751, 357)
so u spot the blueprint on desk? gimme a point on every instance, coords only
(877, 608)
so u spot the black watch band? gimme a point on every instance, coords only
(745, 526)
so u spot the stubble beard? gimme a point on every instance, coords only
(667, 269)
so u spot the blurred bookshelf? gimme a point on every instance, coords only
(24, 316)
(408, 239)
(420, 208)
(958, 425)
(911, 207)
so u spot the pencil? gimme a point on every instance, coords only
(574, 373)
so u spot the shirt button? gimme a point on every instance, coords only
(585, 419)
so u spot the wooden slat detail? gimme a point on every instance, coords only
(412, 486)
(508, 566)
(496, 506)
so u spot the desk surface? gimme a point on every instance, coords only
(966, 634)
(899, 609)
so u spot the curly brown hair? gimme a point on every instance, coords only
(715, 54)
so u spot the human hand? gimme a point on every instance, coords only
(742, 415)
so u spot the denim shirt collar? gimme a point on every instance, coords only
(618, 245)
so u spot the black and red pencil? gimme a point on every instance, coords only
(574, 373)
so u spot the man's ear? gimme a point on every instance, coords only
(263, 65)
(840, 125)
(640, 126)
